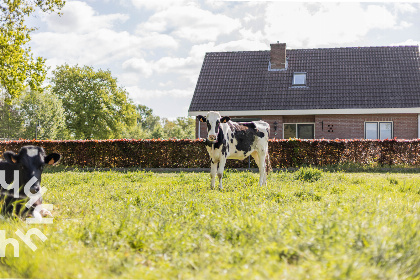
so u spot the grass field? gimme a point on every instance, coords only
(307, 224)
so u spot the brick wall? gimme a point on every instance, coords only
(337, 126)
(278, 56)
(352, 126)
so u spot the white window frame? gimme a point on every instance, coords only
(298, 73)
(378, 128)
(297, 130)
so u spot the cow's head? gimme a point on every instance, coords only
(30, 162)
(213, 121)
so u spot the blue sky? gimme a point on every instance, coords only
(155, 48)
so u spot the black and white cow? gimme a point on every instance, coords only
(24, 171)
(235, 140)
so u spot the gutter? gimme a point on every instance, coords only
(365, 111)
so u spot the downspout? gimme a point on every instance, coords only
(418, 126)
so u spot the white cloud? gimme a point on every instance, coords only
(248, 17)
(403, 24)
(138, 65)
(409, 42)
(303, 25)
(405, 8)
(198, 51)
(183, 68)
(100, 47)
(82, 36)
(190, 23)
(155, 40)
(158, 5)
(139, 94)
(186, 68)
(215, 3)
(79, 17)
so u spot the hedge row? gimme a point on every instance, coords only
(193, 154)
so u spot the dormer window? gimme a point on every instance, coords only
(299, 79)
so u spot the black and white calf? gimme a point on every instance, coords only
(235, 140)
(23, 170)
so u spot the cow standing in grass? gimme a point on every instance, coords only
(235, 140)
(24, 171)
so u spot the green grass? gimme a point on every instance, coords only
(307, 224)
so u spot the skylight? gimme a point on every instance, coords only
(299, 79)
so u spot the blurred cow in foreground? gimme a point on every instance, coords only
(24, 196)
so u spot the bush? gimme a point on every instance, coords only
(193, 153)
(308, 174)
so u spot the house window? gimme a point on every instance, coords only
(299, 79)
(299, 130)
(378, 130)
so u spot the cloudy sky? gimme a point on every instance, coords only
(155, 48)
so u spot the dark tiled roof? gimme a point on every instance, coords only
(337, 78)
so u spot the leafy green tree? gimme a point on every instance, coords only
(135, 132)
(187, 125)
(181, 128)
(158, 133)
(11, 122)
(43, 112)
(146, 118)
(18, 68)
(95, 107)
(146, 124)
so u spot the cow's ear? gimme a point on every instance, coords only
(52, 158)
(224, 119)
(201, 118)
(11, 157)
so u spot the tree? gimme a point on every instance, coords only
(42, 112)
(11, 122)
(135, 132)
(146, 125)
(158, 133)
(18, 68)
(181, 128)
(146, 118)
(187, 125)
(95, 107)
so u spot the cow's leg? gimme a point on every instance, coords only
(261, 166)
(259, 159)
(256, 158)
(220, 169)
(213, 172)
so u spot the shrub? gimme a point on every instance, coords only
(308, 174)
(193, 153)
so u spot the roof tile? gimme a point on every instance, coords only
(337, 78)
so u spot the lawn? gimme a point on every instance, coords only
(308, 224)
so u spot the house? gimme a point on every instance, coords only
(330, 93)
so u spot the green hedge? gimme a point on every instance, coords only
(193, 154)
